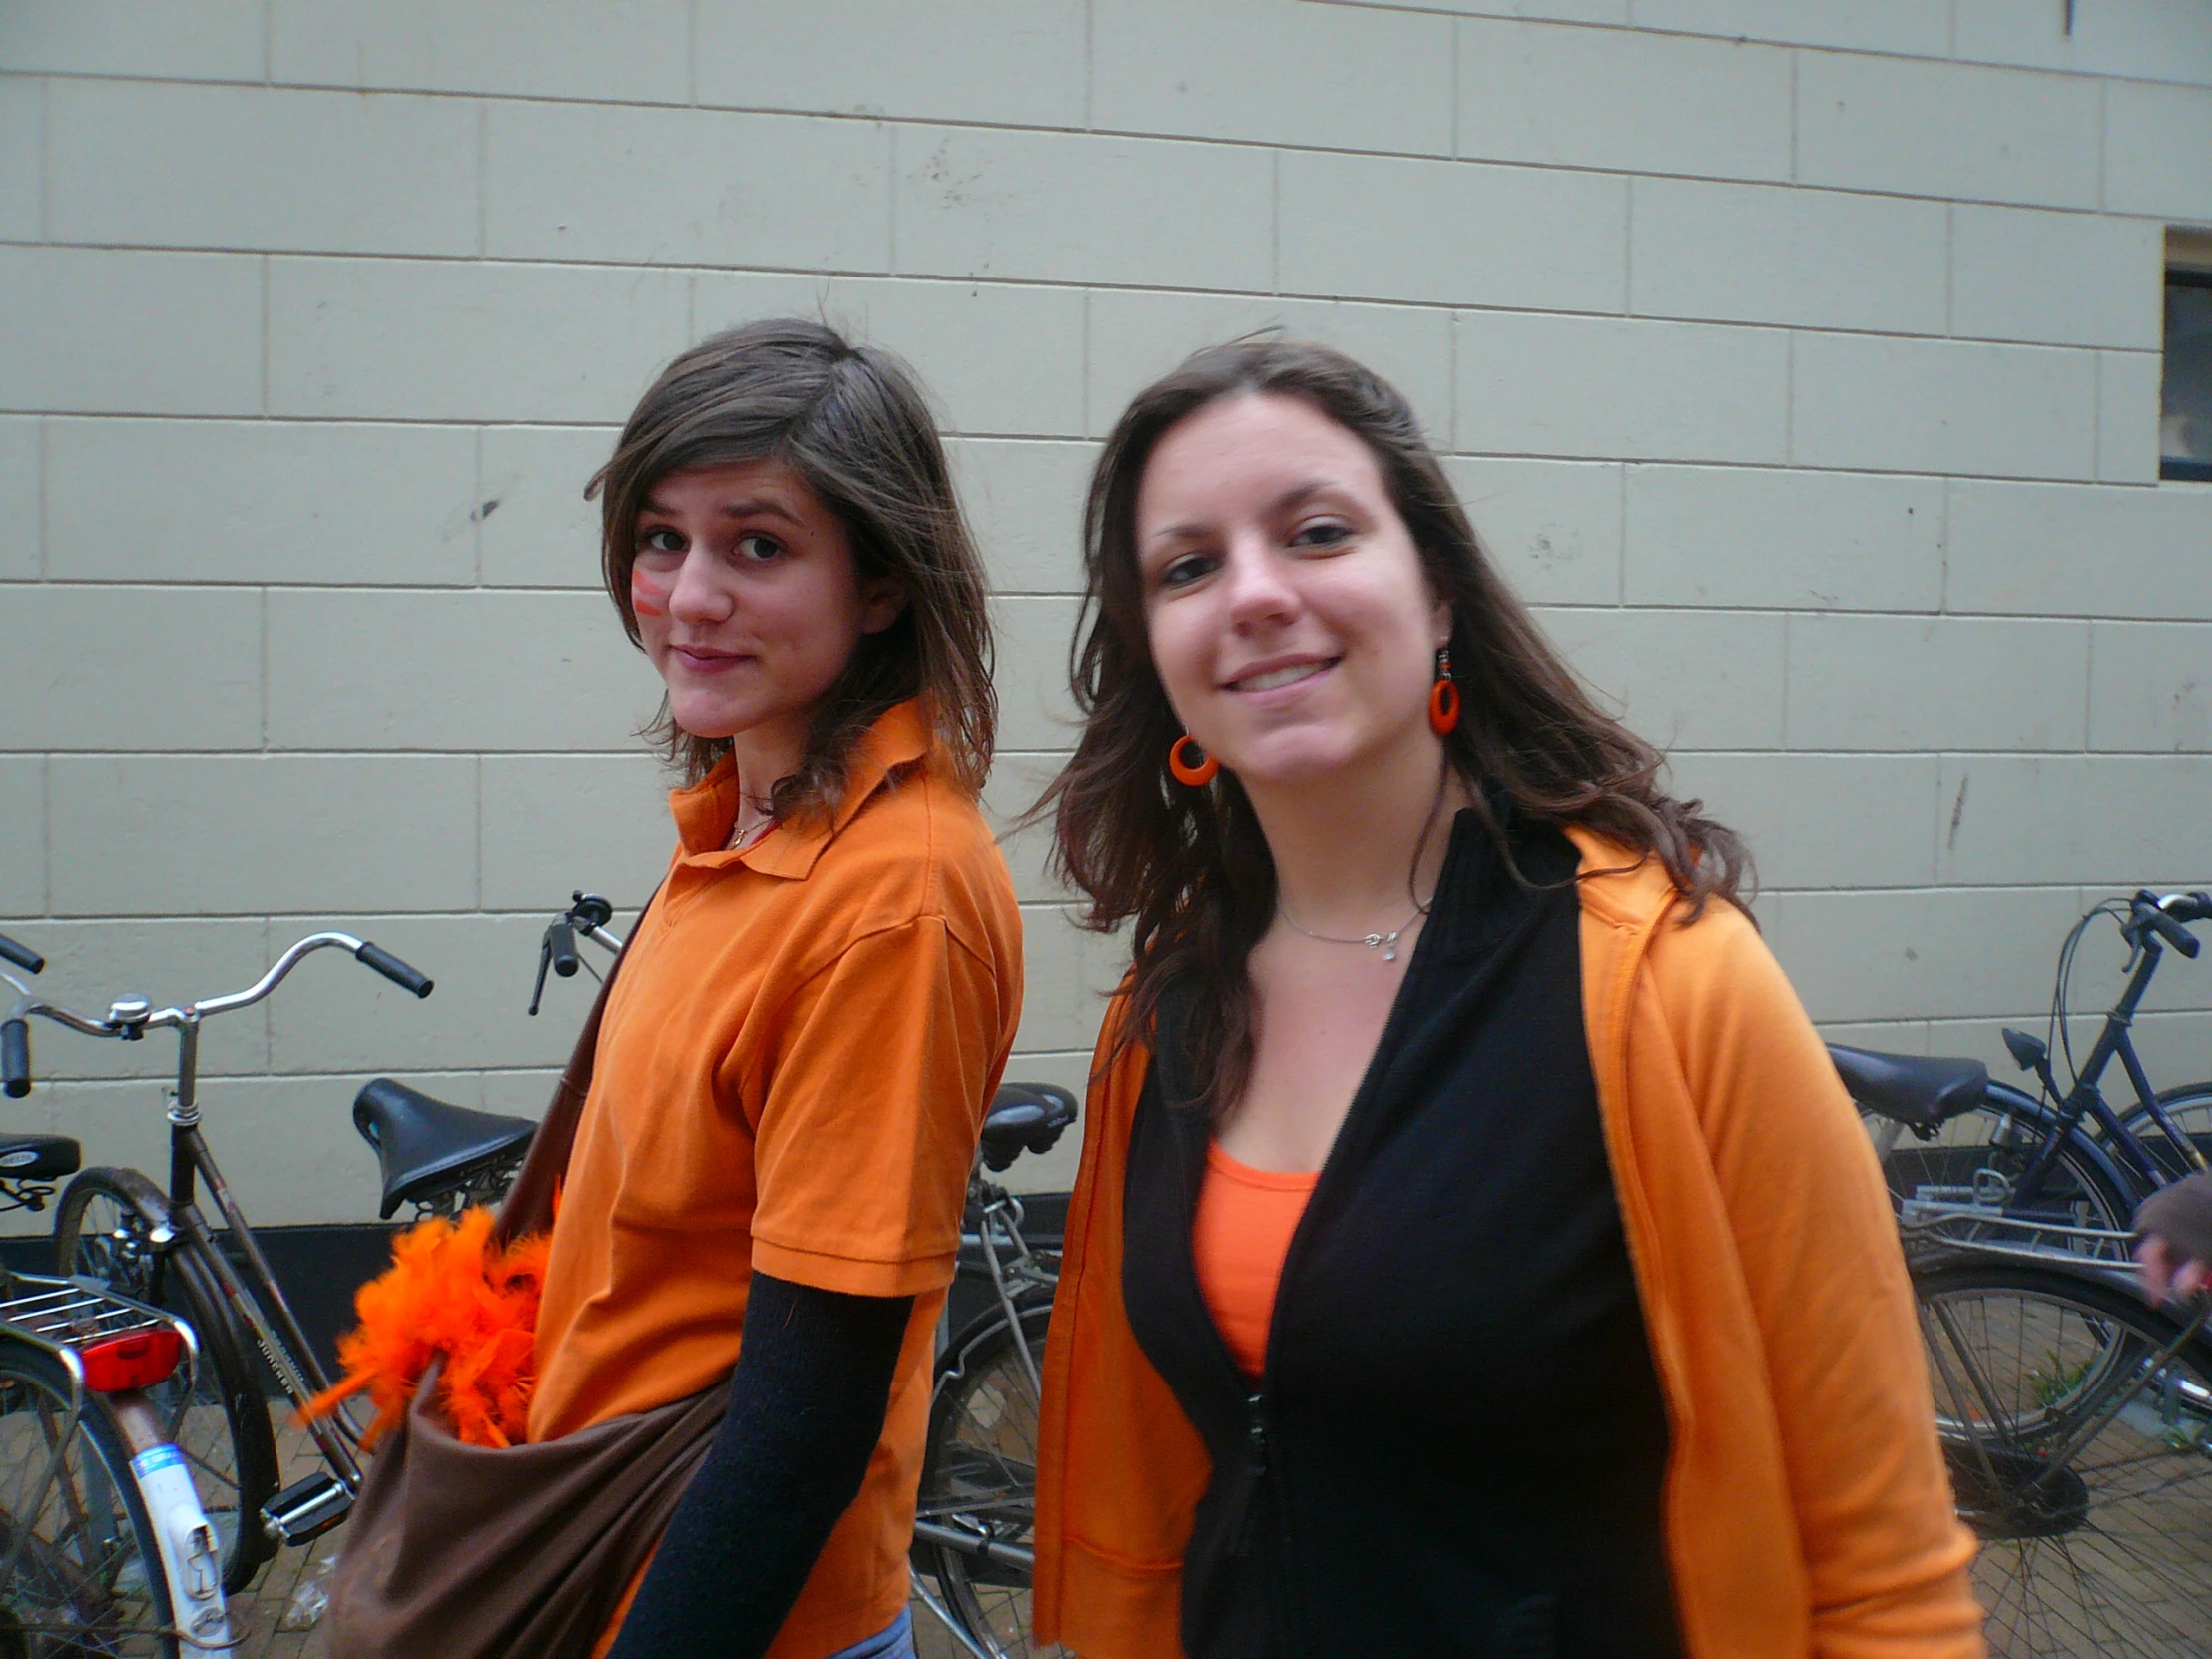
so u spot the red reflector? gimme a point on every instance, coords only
(135, 1359)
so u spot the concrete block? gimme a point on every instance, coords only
(1801, 257)
(629, 51)
(1017, 63)
(1958, 131)
(1564, 11)
(1903, 683)
(2129, 409)
(458, 670)
(22, 160)
(210, 40)
(1614, 390)
(263, 167)
(2062, 549)
(1948, 954)
(1227, 69)
(107, 331)
(1884, 1036)
(993, 358)
(1792, 540)
(1552, 527)
(2150, 687)
(171, 961)
(1017, 780)
(524, 1092)
(1070, 975)
(2046, 819)
(289, 1148)
(1682, 679)
(535, 529)
(1137, 337)
(2151, 39)
(556, 822)
(1623, 101)
(2100, 972)
(372, 340)
(1908, 27)
(261, 501)
(1886, 404)
(1823, 821)
(2056, 279)
(255, 834)
(20, 529)
(561, 181)
(1070, 207)
(1024, 505)
(1034, 707)
(482, 966)
(22, 839)
(132, 668)
(2158, 151)
(1453, 233)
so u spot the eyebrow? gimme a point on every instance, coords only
(746, 507)
(1296, 495)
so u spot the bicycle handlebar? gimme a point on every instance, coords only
(15, 1059)
(392, 968)
(2147, 913)
(22, 956)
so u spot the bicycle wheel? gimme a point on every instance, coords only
(979, 1479)
(101, 1233)
(80, 1568)
(2080, 1452)
(1979, 1156)
(2190, 1107)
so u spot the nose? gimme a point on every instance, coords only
(1258, 582)
(698, 596)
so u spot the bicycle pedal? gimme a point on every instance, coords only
(306, 1509)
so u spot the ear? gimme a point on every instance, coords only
(881, 599)
(1439, 617)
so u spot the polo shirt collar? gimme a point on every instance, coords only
(704, 810)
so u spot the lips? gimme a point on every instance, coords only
(702, 659)
(1277, 673)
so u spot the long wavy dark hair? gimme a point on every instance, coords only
(1190, 867)
(852, 422)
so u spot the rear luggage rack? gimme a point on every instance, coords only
(105, 1341)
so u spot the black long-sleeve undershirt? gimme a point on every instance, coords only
(807, 1406)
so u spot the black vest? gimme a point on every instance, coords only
(1459, 1443)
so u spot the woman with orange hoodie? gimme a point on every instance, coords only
(1475, 1252)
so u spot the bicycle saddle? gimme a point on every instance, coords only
(1025, 1117)
(426, 1144)
(38, 1157)
(1917, 1091)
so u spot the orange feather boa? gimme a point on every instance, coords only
(452, 1295)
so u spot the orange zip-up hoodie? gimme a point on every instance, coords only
(1807, 1509)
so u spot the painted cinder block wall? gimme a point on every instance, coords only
(1799, 359)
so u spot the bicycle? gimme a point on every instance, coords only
(117, 1229)
(1987, 1146)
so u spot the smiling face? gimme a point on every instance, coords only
(749, 601)
(1290, 619)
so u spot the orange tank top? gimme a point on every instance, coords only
(1239, 1238)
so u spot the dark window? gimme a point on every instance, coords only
(2185, 403)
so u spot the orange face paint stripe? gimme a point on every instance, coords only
(647, 597)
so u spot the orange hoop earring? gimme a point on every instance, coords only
(1198, 773)
(1444, 696)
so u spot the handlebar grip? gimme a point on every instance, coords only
(2172, 933)
(2195, 906)
(15, 1057)
(22, 956)
(392, 968)
(560, 938)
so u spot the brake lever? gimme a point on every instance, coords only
(545, 960)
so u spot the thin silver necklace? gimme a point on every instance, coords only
(1384, 942)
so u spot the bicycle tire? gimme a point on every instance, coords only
(979, 1475)
(1985, 1146)
(86, 1577)
(2097, 1548)
(2190, 1107)
(100, 1231)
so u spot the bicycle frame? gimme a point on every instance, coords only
(2085, 1101)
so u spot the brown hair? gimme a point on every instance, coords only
(1190, 867)
(851, 422)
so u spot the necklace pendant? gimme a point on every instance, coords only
(1386, 942)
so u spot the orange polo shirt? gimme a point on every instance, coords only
(792, 1074)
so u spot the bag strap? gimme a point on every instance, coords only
(529, 1205)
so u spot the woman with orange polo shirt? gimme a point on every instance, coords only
(793, 1060)
(1472, 1230)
